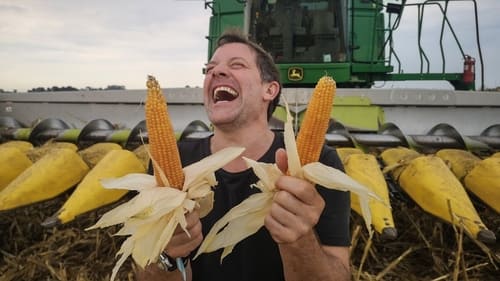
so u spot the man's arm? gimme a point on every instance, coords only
(307, 259)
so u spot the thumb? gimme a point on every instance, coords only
(282, 160)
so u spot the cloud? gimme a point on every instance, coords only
(97, 43)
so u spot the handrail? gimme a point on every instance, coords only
(419, 36)
(424, 60)
(476, 20)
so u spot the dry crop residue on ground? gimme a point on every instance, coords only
(426, 249)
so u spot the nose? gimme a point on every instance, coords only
(219, 71)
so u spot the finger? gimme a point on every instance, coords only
(285, 226)
(181, 244)
(280, 209)
(288, 202)
(299, 215)
(192, 218)
(301, 189)
(282, 160)
(278, 231)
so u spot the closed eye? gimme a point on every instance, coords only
(208, 68)
(237, 65)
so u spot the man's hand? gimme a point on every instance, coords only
(181, 245)
(296, 207)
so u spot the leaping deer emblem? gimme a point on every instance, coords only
(295, 74)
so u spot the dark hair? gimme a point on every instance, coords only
(268, 70)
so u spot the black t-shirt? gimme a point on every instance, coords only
(257, 257)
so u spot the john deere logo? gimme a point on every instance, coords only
(295, 73)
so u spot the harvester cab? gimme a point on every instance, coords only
(352, 40)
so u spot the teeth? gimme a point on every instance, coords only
(224, 89)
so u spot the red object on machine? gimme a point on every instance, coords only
(469, 70)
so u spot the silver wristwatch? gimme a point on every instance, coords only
(168, 263)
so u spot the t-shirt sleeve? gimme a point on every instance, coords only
(333, 227)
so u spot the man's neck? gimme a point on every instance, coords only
(256, 142)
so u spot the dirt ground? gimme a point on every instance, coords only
(425, 249)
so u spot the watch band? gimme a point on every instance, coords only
(168, 263)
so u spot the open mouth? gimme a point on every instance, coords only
(224, 93)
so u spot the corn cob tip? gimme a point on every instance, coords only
(152, 83)
(328, 77)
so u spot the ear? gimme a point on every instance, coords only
(272, 90)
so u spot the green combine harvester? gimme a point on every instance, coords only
(350, 40)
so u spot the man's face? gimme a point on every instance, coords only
(233, 89)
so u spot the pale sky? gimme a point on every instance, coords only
(98, 43)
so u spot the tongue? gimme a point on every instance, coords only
(224, 96)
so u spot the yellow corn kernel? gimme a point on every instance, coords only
(162, 142)
(311, 136)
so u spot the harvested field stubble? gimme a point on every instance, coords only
(426, 248)
(67, 252)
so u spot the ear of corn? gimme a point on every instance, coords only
(158, 211)
(311, 136)
(45, 179)
(162, 141)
